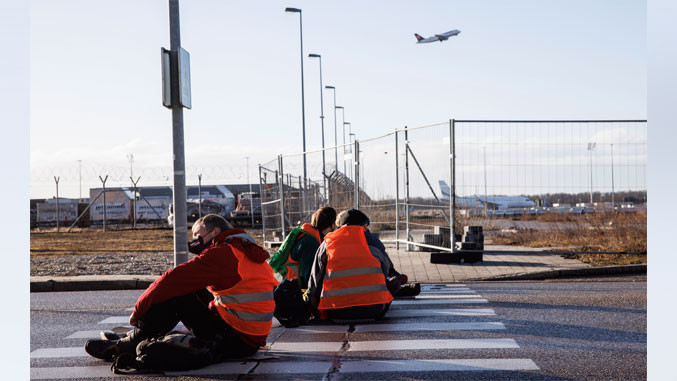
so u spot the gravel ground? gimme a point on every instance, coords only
(104, 264)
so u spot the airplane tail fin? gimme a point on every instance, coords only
(418, 37)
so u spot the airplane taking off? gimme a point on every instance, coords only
(437, 37)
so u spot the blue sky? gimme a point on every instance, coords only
(95, 76)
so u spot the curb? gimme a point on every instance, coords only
(568, 273)
(91, 283)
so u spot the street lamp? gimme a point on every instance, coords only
(591, 146)
(343, 118)
(351, 140)
(324, 175)
(303, 101)
(335, 134)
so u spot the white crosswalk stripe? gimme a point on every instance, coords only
(285, 344)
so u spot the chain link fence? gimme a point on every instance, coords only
(513, 178)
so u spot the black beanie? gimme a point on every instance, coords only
(353, 217)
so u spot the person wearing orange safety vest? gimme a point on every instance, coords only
(296, 262)
(347, 280)
(224, 295)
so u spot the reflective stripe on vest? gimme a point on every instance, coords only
(249, 305)
(245, 298)
(353, 276)
(354, 290)
(353, 272)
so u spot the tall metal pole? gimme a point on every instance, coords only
(357, 175)
(180, 221)
(613, 195)
(452, 180)
(397, 193)
(263, 213)
(281, 180)
(406, 182)
(324, 174)
(303, 98)
(56, 179)
(343, 123)
(335, 130)
(485, 180)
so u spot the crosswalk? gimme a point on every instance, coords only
(439, 330)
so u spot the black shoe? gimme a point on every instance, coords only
(409, 290)
(109, 349)
(109, 335)
(102, 349)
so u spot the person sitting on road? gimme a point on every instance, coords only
(347, 281)
(295, 263)
(231, 270)
(396, 282)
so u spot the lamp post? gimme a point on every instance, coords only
(591, 146)
(343, 118)
(613, 198)
(303, 99)
(335, 134)
(80, 172)
(351, 140)
(324, 175)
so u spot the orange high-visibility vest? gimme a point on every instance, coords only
(292, 265)
(249, 305)
(353, 277)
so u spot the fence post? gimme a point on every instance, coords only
(397, 193)
(281, 169)
(406, 182)
(261, 200)
(103, 181)
(356, 178)
(134, 202)
(452, 190)
(56, 179)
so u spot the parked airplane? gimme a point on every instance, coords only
(492, 202)
(437, 37)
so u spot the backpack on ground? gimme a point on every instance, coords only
(290, 309)
(172, 352)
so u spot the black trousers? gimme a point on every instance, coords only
(192, 309)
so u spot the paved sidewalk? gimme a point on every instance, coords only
(417, 266)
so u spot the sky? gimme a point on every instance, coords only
(95, 77)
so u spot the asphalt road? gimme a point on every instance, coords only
(558, 330)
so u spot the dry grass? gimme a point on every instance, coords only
(84, 241)
(598, 232)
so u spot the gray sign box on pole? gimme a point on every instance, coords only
(184, 78)
(182, 63)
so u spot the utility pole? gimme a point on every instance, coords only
(103, 181)
(199, 193)
(484, 149)
(180, 97)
